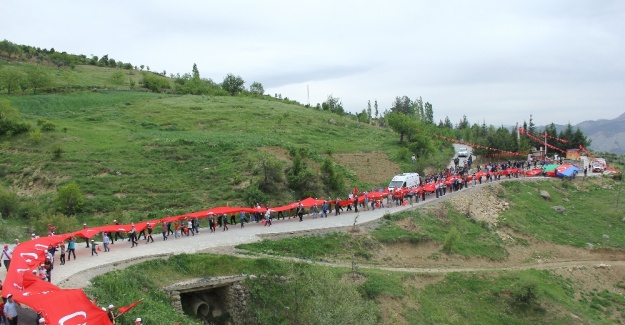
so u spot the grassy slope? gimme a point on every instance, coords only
(147, 152)
(489, 297)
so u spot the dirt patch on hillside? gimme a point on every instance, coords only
(481, 205)
(370, 167)
(279, 153)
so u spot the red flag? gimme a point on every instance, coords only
(129, 307)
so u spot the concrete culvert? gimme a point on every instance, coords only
(199, 307)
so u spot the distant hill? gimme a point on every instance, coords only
(606, 135)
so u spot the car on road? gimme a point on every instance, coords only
(597, 168)
(463, 152)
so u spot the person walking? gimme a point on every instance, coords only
(62, 255)
(6, 256)
(10, 310)
(242, 217)
(300, 212)
(211, 223)
(150, 230)
(225, 220)
(106, 240)
(133, 236)
(164, 230)
(71, 248)
(48, 266)
(177, 229)
(268, 217)
(118, 234)
(169, 231)
(93, 248)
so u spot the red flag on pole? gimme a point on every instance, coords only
(129, 307)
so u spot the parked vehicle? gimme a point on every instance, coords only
(406, 180)
(597, 168)
(463, 152)
(598, 165)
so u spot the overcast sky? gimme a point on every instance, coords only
(499, 61)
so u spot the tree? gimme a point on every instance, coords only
(400, 124)
(233, 84)
(117, 78)
(332, 177)
(447, 123)
(155, 83)
(195, 72)
(69, 199)
(334, 105)
(375, 105)
(104, 61)
(10, 119)
(38, 79)
(10, 77)
(10, 48)
(257, 88)
(403, 105)
(429, 113)
(273, 177)
(464, 123)
(531, 128)
(369, 111)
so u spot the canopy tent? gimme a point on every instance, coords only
(567, 171)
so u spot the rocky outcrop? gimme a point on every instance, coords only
(545, 195)
(481, 204)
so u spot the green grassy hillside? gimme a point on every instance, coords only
(135, 154)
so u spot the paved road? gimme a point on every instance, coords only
(121, 251)
(462, 159)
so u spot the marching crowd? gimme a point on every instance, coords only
(454, 178)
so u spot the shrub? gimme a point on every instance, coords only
(62, 223)
(525, 292)
(452, 238)
(69, 199)
(9, 203)
(57, 152)
(35, 136)
(46, 125)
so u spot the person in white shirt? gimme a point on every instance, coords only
(6, 256)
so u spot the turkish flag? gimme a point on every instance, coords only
(129, 307)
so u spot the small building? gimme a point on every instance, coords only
(573, 154)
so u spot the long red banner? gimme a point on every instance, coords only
(500, 151)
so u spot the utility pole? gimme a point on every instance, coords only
(545, 145)
(618, 197)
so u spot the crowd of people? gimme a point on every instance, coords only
(457, 177)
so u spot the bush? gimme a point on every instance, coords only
(35, 136)
(69, 199)
(452, 238)
(9, 203)
(62, 223)
(57, 152)
(525, 292)
(45, 125)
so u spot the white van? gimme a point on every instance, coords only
(406, 180)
